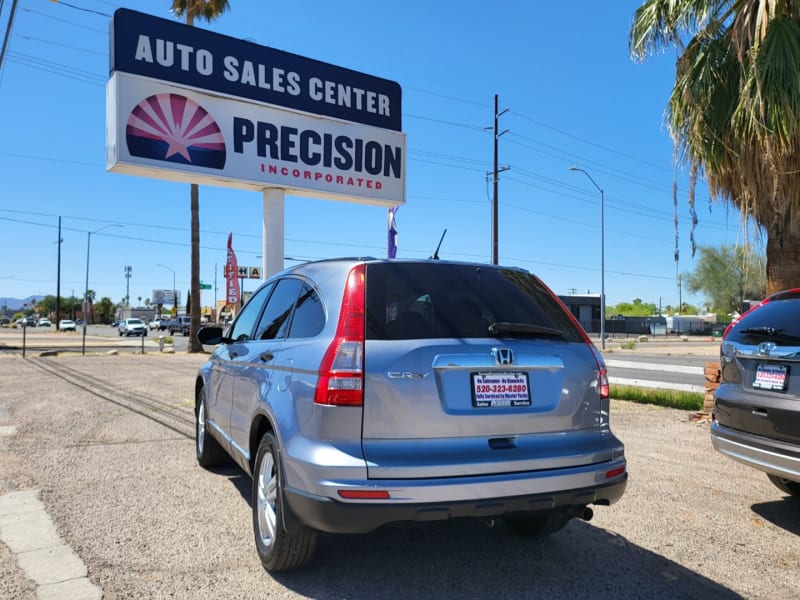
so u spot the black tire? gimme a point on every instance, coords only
(537, 526)
(278, 549)
(785, 485)
(208, 450)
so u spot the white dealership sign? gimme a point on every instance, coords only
(187, 104)
(170, 132)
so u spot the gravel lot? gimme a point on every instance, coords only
(109, 442)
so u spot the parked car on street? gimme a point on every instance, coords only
(66, 325)
(159, 323)
(756, 418)
(359, 393)
(26, 322)
(132, 326)
(179, 324)
(43, 322)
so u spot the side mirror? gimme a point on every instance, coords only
(210, 336)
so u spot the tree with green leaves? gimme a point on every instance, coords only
(727, 276)
(734, 110)
(105, 310)
(637, 308)
(90, 297)
(191, 10)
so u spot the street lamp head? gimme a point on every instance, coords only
(104, 226)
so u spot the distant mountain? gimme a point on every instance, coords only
(14, 304)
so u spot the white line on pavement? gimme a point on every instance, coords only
(643, 366)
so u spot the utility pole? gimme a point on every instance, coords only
(58, 279)
(128, 271)
(9, 27)
(495, 178)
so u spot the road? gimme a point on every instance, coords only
(99, 338)
(662, 363)
(106, 443)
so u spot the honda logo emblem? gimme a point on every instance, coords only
(503, 356)
(766, 347)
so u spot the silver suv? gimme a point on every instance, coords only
(133, 326)
(362, 392)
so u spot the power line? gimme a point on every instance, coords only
(88, 10)
(587, 141)
(52, 43)
(67, 21)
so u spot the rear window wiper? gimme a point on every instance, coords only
(767, 331)
(501, 327)
(770, 333)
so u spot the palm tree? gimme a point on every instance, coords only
(208, 10)
(734, 111)
(90, 297)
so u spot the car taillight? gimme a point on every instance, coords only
(603, 387)
(341, 373)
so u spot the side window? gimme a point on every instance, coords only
(309, 316)
(242, 329)
(274, 323)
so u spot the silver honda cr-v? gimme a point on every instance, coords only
(362, 392)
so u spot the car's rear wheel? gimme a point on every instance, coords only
(537, 526)
(207, 448)
(278, 549)
(785, 485)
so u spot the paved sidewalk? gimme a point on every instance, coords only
(28, 531)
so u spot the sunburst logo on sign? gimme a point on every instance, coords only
(173, 128)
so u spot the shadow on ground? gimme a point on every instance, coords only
(470, 559)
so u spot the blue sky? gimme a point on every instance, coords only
(562, 71)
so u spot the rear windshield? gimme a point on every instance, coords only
(776, 321)
(441, 300)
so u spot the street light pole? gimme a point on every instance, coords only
(174, 291)
(602, 260)
(86, 289)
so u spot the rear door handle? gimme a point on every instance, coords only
(759, 412)
(266, 356)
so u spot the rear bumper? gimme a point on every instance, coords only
(327, 514)
(765, 454)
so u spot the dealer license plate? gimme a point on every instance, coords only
(771, 377)
(494, 389)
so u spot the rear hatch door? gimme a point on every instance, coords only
(446, 397)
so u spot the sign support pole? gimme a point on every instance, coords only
(272, 232)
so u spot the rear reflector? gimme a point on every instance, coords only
(364, 494)
(615, 472)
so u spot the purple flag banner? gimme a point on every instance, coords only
(392, 245)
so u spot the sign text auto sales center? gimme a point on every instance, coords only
(187, 104)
